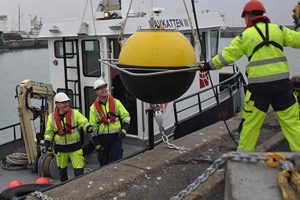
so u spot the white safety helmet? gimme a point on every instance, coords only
(61, 97)
(99, 83)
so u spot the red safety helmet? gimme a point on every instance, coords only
(253, 5)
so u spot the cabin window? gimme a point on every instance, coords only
(203, 41)
(59, 50)
(90, 96)
(115, 48)
(190, 37)
(90, 58)
(214, 42)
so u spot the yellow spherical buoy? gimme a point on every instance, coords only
(148, 51)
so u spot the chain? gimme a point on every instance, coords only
(245, 157)
(40, 195)
(202, 178)
(233, 156)
(165, 139)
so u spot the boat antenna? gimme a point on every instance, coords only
(210, 79)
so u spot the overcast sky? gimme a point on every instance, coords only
(279, 11)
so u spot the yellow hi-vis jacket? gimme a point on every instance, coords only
(112, 127)
(66, 142)
(267, 63)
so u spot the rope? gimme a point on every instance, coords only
(15, 161)
(191, 25)
(92, 10)
(286, 190)
(124, 24)
(84, 11)
(295, 180)
(214, 89)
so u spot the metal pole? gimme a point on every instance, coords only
(150, 112)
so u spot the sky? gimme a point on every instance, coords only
(279, 11)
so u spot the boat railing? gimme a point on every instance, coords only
(223, 90)
(14, 128)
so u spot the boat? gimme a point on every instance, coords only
(81, 52)
(3, 47)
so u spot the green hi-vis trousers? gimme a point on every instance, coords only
(280, 95)
(76, 157)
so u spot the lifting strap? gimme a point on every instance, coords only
(111, 114)
(265, 42)
(68, 127)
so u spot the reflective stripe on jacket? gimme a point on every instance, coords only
(113, 127)
(269, 62)
(66, 142)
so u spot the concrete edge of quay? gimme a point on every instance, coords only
(219, 176)
(112, 177)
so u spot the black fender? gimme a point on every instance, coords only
(22, 191)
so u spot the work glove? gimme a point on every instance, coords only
(96, 143)
(46, 146)
(99, 148)
(123, 133)
(295, 80)
(90, 129)
(204, 67)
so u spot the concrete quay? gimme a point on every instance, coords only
(162, 173)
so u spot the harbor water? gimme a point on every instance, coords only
(16, 66)
(19, 65)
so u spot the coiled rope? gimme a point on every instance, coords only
(15, 161)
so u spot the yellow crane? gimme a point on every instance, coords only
(28, 90)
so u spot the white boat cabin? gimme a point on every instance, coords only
(75, 48)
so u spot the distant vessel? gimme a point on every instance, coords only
(35, 27)
(18, 33)
(3, 21)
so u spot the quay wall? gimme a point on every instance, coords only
(161, 173)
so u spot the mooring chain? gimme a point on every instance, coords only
(233, 156)
(40, 195)
(165, 139)
(200, 179)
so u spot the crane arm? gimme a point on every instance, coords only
(28, 90)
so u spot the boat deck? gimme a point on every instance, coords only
(131, 147)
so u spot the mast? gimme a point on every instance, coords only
(19, 21)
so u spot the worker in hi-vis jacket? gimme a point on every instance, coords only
(268, 75)
(112, 121)
(62, 132)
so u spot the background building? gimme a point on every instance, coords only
(3, 23)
